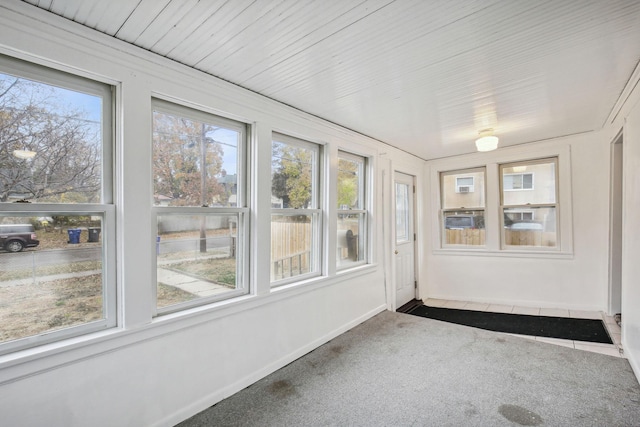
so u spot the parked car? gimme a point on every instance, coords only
(526, 226)
(462, 221)
(16, 237)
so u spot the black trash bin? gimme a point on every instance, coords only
(94, 234)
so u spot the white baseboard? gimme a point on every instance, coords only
(221, 394)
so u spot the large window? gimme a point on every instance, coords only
(529, 217)
(57, 219)
(463, 206)
(200, 207)
(295, 213)
(352, 210)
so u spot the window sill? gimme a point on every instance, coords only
(508, 253)
(24, 363)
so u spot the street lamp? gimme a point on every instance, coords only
(24, 154)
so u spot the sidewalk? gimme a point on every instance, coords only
(201, 288)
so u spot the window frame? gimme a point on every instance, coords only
(444, 210)
(316, 260)
(530, 206)
(521, 174)
(363, 197)
(560, 149)
(105, 208)
(242, 209)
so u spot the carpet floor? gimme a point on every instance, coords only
(401, 370)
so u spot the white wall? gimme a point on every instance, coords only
(159, 371)
(631, 238)
(573, 277)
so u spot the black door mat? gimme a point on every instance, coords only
(540, 326)
(406, 308)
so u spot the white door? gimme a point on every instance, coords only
(404, 253)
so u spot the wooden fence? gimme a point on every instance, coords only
(465, 236)
(530, 238)
(476, 237)
(290, 248)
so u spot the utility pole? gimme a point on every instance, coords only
(203, 189)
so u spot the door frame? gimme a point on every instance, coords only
(394, 266)
(616, 205)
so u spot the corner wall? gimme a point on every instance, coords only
(574, 277)
(158, 371)
(631, 239)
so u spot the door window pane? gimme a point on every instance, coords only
(402, 213)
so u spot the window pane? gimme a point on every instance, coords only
(529, 183)
(351, 229)
(51, 273)
(464, 228)
(195, 162)
(350, 183)
(293, 175)
(456, 193)
(50, 143)
(196, 257)
(292, 245)
(402, 213)
(534, 227)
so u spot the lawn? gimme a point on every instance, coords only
(37, 306)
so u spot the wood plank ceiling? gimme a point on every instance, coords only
(421, 75)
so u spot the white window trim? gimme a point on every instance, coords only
(444, 211)
(314, 211)
(105, 209)
(517, 154)
(532, 206)
(363, 208)
(242, 210)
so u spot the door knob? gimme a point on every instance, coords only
(396, 252)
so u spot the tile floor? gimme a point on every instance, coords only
(614, 349)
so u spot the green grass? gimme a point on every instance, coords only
(76, 267)
(217, 270)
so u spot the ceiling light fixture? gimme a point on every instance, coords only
(24, 154)
(487, 140)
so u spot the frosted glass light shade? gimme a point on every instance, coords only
(487, 141)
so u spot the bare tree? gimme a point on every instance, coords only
(186, 162)
(65, 165)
